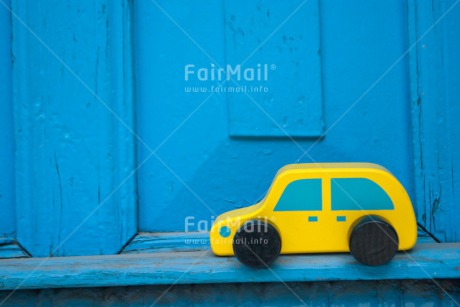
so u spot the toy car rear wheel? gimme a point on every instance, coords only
(373, 241)
(257, 244)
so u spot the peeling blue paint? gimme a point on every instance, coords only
(434, 87)
(72, 152)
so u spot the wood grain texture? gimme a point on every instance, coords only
(425, 261)
(73, 112)
(434, 91)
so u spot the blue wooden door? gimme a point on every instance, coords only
(162, 114)
(331, 89)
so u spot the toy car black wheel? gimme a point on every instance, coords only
(373, 241)
(257, 244)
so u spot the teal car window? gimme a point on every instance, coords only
(301, 195)
(358, 194)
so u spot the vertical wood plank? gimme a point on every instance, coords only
(73, 112)
(435, 110)
(7, 218)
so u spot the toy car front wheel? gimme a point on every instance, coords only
(257, 244)
(373, 241)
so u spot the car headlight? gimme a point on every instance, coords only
(225, 231)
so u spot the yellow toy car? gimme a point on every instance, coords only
(321, 208)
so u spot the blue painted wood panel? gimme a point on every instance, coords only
(8, 217)
(286, 101)
(73, 115)
(187, 131)
(198, 170)
(435, 87)
(358, 293)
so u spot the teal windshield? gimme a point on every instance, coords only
(301, 195)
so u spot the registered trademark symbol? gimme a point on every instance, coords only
(273, 67)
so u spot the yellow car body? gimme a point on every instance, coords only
(325, 202)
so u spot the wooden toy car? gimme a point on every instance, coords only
(321, 208)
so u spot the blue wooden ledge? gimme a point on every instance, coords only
(425, 261)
